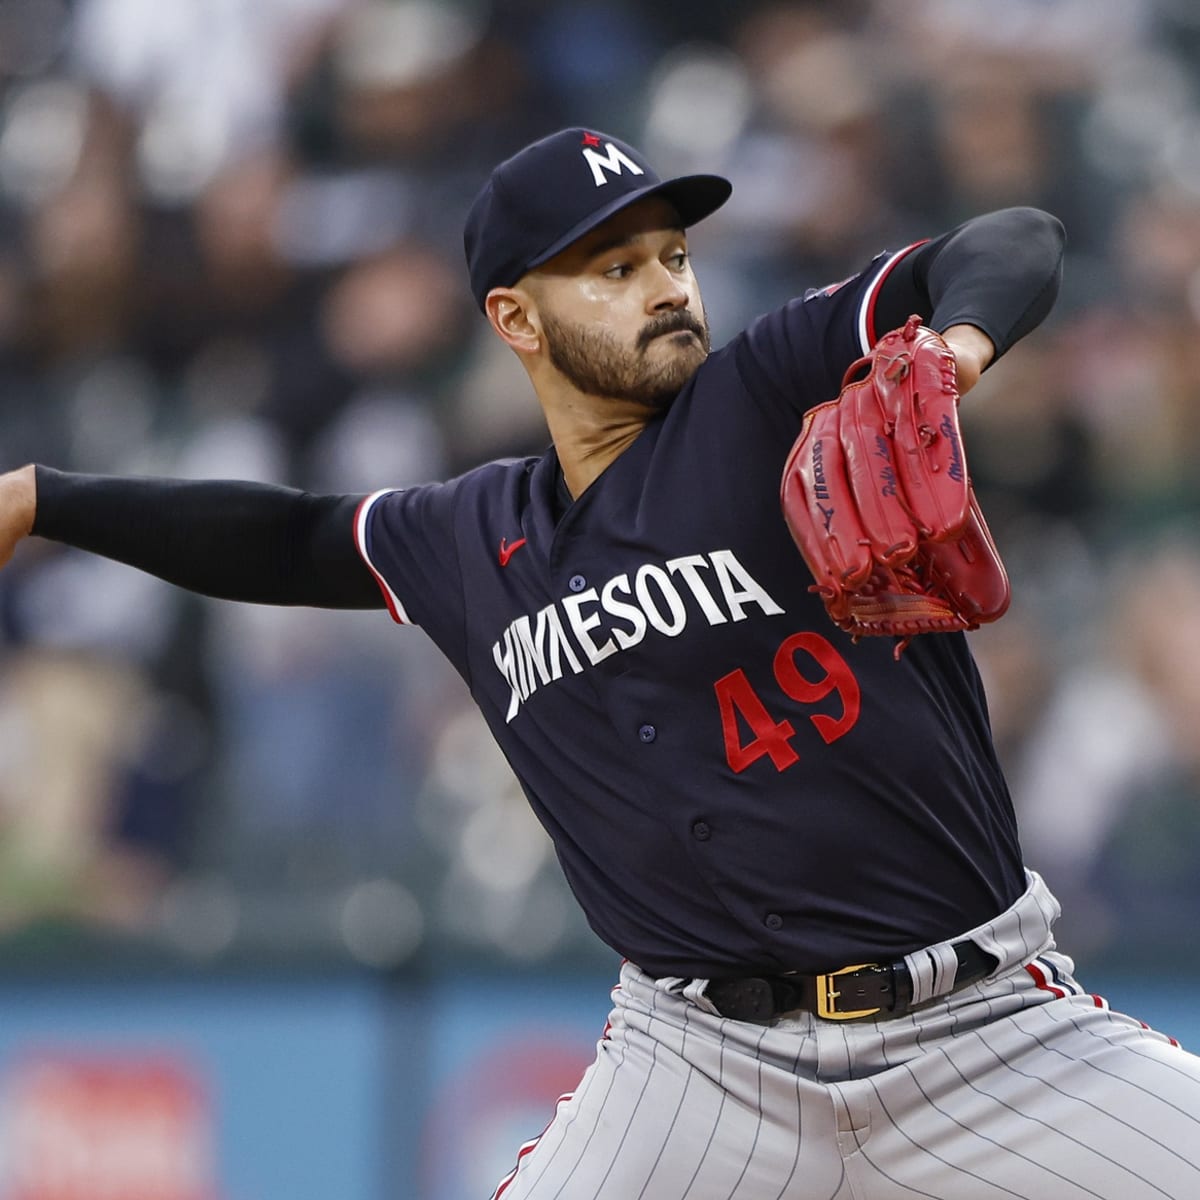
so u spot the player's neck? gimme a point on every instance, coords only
(590, 436)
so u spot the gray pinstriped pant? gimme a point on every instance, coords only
(1021, 1085)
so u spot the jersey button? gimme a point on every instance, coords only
(701, 832)
(647, 733)
(773, 921)
(577, 583)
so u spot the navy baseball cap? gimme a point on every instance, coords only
(551, 193)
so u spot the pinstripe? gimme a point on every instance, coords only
(654, 1000)
(1036, 1121)
(758, 1126)
(787, 1183)
(687, 1083)
(797, 1154)
(527, 1148)
(1108, 1041)
(932, 1154)
(1086, 1062)
(919, 1029)
(1111, 1116)
(570, 1121)
(708, 1145)
(641, 1094)
(628, 1124)
(883, 1052)
(539, 1142)
(1026, 948)
(912, 1191)
(1115, 1019)
(854, 1129)
(646, 1080)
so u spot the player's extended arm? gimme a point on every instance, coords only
(237, 541)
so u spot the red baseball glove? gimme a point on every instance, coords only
(877, 496)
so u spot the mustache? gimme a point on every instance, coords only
(678, 321)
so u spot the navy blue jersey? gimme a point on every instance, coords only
(730, 783)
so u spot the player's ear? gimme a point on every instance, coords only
(512, 314)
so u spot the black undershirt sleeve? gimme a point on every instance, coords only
(1000, 272)
(237, 541)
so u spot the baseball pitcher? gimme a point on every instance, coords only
(718, 631)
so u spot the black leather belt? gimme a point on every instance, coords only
(851, 994)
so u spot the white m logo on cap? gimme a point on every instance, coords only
(614, 161)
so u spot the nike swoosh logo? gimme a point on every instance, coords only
(507, 550)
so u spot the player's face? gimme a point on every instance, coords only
(620, 309)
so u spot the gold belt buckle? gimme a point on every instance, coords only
(827, 996)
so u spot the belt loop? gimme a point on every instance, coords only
(696, 990)
(932, 971)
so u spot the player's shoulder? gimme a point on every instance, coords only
(493, 477)
(498, 477)
(830, 319)
(494, 486)
(495, 491)
(405, 531)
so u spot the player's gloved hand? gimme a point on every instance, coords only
(877, 497)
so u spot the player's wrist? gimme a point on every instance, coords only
(18, 507)
(971, 339)
(19, 491)
(972, 350)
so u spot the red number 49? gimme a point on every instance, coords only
(736, 698)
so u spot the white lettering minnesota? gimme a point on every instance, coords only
(730, 572)
(537, 648)
(613, 161)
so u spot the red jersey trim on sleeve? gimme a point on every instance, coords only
(361, 518)
(868, 335)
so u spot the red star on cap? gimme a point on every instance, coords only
(590, 139)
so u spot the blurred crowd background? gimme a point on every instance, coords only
(230, 246)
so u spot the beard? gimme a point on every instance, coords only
(597, 364)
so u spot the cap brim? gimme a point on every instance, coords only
(694, 197)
